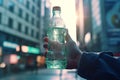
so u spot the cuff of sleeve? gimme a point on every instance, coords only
(87, 64)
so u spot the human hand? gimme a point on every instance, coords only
(73, 52)
(52, 45)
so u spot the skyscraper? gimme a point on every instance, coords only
(104, 21)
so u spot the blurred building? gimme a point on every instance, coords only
(92, 25)
(20, 23)
(47, 13)
(111, 24)
(87, 25)
(102, 21)
(80, 23)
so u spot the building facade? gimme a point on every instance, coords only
(97, 25)
(21, 30)
(104, 21)
(20, 23)
(111, 21)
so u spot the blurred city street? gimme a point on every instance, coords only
(45, 74)
(94, 25)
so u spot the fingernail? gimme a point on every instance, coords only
(46, 39)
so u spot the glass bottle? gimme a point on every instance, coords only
(56, 57)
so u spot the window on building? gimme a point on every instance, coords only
(38, 3)
(20, 12)
(1, 2)
(27, 4)
(32, 21)
(33, 9)
(7, 38)
(37, 35)
(11, 6)
(19, 27)
(38, 13)
(32, 33)
(38, 24)
(27, 17)
(10, 22)
(26, 30)
(0, 18)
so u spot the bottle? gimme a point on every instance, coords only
(57, 25)
(56, 57)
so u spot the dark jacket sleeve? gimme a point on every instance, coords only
(101, 66)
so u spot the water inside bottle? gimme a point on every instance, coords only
(59, 64)
(59, 61)
(57, 34)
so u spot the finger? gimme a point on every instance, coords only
(47, 40)
(68, 38)
(53, 45)
(45, 45)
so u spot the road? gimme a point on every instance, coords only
(45, 74)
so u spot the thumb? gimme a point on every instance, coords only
(68, 37)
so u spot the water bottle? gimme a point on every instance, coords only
(56, 57)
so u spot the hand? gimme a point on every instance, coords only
(73, 52)
(54, 45)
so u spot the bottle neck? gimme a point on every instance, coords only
(56, 13)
